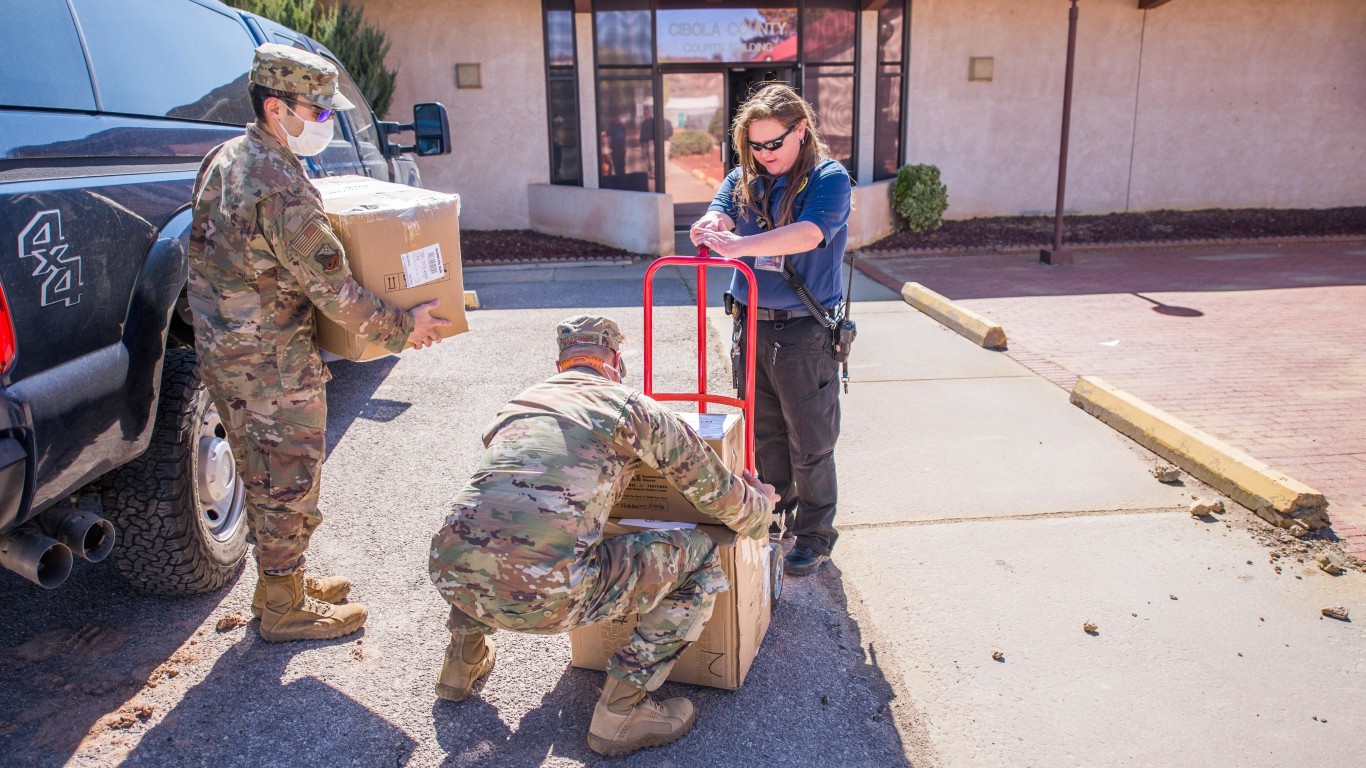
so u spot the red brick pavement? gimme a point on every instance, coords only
(1263, 346)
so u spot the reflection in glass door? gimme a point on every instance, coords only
(694, 125)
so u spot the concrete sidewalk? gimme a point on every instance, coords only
(1257, 345)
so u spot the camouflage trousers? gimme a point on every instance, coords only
(669, 577)
(279, 445)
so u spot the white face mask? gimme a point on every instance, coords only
(314, 139)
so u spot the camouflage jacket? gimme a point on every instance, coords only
(558, 458)
(262, 256)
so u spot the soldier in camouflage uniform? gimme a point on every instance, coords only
(523, 549)
(262, 256)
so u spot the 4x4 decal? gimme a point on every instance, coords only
(59, 269)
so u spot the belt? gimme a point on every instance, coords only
(778, 315)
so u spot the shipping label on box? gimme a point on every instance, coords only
(402, 244)
(723, 655)
(651, 497)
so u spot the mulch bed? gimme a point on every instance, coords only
(520, 246)
(996, 232)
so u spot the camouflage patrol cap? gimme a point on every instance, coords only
(589, 329)
(293, 70)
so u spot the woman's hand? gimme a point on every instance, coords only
(712, 221)
(727, 244)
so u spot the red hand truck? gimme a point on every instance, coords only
(702, 261)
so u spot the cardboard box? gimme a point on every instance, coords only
(722, 656)
(649, 496)
(403, 244)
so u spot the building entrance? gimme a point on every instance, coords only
(693, 130)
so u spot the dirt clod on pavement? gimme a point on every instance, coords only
(1206, 507)
(1332, 563)
(1166, 473)
(230, 622)
(1336, 612)
(1090, 628)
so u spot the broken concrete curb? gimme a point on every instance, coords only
(965, 322)
(1280, 500)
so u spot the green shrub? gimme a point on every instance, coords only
(919, 198)
(360, 47)
(691, 143)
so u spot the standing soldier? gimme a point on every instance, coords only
(262, 256)
(523, 548)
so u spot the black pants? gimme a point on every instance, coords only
(796, 424)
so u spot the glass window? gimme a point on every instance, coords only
(44, 64)
(828, 30)
(623, 33)
(195, 68)
(559, 33)
(361, 118)
(887, 129)
(830, 90)
(566, 166)
(726, 33)
(621, 107)
(890, 19)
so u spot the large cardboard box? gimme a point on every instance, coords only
(722, 656)
(403, 244)
(649, 496)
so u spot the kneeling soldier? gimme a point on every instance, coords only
(523, 548)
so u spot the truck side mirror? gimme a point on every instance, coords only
(431, 128)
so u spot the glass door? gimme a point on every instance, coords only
(694, 122)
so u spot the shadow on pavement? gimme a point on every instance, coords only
(74, 657)
(243, 713)
(1135, 271)
(349, 396)
(813, 697)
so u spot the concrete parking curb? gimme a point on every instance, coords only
(1280, 500)
(965, 322)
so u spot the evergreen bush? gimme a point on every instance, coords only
(919, 198)
(360, 47)
(691, 143)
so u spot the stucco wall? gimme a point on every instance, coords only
(1197, 103)
(498, 131)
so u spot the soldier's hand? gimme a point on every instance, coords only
(763, 488)
(424, 325)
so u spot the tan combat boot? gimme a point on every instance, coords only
(626, 719)
(468, 658)
(290, 614)
(329, 589)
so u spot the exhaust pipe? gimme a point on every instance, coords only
(86, 534)
(42, 560)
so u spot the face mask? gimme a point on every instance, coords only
(314, 139)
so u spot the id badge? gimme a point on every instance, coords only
(771, 263)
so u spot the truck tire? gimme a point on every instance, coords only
(179, 508)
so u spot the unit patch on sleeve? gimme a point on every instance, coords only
(315, 241)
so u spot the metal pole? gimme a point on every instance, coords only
(1057, 254)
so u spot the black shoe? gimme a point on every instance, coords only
(802, 562)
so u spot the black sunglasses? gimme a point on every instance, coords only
(771, 146)
(323, 114)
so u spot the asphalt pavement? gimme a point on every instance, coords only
(980, 513)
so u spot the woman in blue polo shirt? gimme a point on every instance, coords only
(786, 203)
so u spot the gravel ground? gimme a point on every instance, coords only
(96, 674)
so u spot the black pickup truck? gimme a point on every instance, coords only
(106, 110)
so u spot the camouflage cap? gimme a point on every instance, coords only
(589, 329)
(293, 70)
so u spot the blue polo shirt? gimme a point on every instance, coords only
(825, 203)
